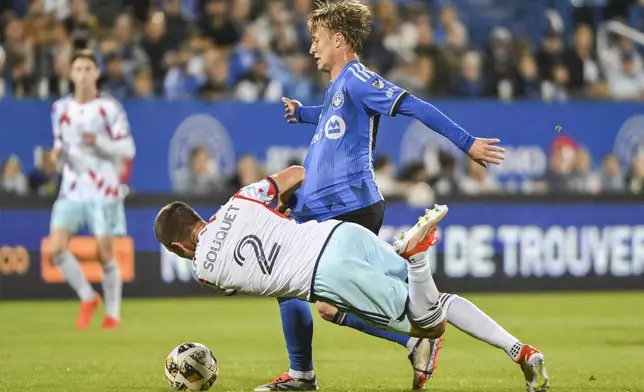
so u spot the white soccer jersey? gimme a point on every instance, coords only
(91, 172)
(249, 247)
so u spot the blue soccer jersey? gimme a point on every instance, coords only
(339, 163)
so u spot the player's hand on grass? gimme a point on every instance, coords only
(289, 107)
(484, 151)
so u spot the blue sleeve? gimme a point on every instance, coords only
(435, 120)
(376, 94)
(308, 114)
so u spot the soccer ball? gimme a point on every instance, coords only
(191, 366)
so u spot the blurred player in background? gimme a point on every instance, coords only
(341, 184)
(92, 140)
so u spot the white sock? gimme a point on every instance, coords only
(411, 343)
(465, 316)
(424, 308)
(300, 375)
(74, 276)
(112, 289)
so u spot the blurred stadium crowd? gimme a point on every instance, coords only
(257, 50)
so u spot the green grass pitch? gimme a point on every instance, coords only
(592, 342)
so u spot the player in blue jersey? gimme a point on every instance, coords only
(340, 184)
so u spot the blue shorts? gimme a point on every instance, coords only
(102, 218)
(363, 275)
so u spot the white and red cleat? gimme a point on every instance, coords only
(424, 358)
(532, 364)
(413, 244)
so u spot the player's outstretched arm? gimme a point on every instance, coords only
(298, 113)
(483, 151)
(383, 97)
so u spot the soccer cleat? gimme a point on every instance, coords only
(110, 323)
(424, 358)
(534, 370)
(413, 244)
(287, 383)
(87, 309)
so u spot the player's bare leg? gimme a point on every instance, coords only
(464, 315)
(422, 352)
(73, 274)
(112, 283)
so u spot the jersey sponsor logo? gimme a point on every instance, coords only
(390, 92)
(335, 127)
(265, 263)
(629, 141)
(377, 83)
(338, 100)
(201, 130)
(220, 238)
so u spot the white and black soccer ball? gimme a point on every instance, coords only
(191, 366)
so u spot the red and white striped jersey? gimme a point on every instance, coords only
(249, 247)
(89, 173)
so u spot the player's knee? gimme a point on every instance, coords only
(58, 249)
(59, 242)
(105, 249)
(326, 311)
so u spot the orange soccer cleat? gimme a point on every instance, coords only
(287, 383)
(532, 364)
(87, 309)
(110, 323)
(413, 244)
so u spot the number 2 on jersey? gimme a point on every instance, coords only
(265, 264)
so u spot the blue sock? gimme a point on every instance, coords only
(297, 325)
(351, 321)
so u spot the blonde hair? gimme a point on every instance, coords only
(347, 17)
